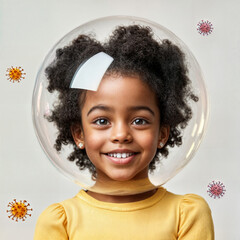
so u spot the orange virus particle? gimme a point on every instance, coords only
(15, 74)
(19, 210)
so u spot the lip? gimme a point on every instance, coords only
(121, 161)
(121, 150)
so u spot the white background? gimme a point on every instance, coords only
(29, 29)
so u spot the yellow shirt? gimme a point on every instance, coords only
(163, 216)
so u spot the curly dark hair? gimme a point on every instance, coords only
(160, 64)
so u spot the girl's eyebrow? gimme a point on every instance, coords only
(108, 109)
(100, 107)
(138, 108)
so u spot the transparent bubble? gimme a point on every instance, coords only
(178, 157)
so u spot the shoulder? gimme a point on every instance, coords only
(56, 209)
(195, 219)
(61, 212)
(193, 202)
(53, 212)
(52, 223)
(186, 202)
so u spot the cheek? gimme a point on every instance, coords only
(93, 141)
(92, 138)
(149, 142)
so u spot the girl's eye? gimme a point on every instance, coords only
(140, 121)
(101, 121)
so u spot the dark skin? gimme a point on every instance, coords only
(117, 119)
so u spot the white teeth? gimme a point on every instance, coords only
(120, 155)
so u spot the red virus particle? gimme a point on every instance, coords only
(15, 74)
(205, 27)
(19, 210)
(216, 189)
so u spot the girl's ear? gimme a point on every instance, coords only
(163, 135)
(77, 134)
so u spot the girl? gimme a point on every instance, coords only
(118, 133)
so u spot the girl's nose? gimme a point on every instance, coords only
(121, 133)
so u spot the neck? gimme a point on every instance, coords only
(122, 199)
(122, 188)
(122, 192)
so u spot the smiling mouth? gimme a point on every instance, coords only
(120, 155)
(121, 158)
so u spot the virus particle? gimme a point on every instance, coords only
(19, 210)
(205, 27)
(216, 189)
(15, 74)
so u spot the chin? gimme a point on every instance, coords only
(121, 177)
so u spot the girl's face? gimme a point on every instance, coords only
(121, 128)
